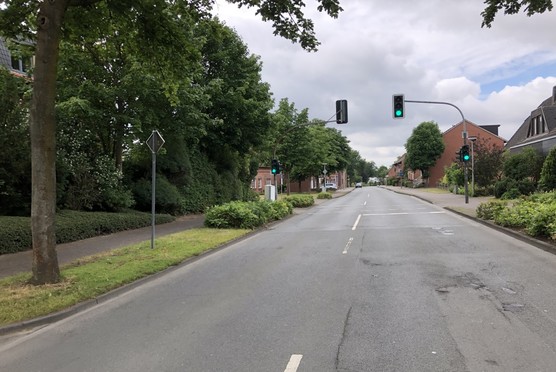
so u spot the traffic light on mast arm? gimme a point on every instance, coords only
(275, 167)
(341, 111)
(464, 155)
(398, 106)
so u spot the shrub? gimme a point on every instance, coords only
(490, 209)
(510, 194)
(15, 232)
(516, 216)
(543, 221)
(547, 181)
(504, 185)
(246, 215)
(324, 195)
(300, 201)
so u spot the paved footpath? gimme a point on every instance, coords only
(444, 199)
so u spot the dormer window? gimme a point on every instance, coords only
(21, 65)
(537, 126)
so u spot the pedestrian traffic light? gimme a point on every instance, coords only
(398, 106)
(464, 153)
(275, 168)
(341, 111)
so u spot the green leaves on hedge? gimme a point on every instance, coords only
(246, 215)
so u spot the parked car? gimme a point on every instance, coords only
(331, 186)
(358, 185)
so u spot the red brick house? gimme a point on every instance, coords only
(453, 140)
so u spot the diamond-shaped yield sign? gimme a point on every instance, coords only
(155, 141)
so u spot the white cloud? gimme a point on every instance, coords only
(428, 50)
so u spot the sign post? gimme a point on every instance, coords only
(155, 143)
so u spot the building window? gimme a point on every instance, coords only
(21, 65)
(268, 181)
(537, 126)
(260, 183)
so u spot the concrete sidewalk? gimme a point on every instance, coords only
(444, 199)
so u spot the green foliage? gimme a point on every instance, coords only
(424, 147)
(488, 161)
(454, 175)
(300, 201)
(547, 181)
(246, 215)
(167, 198)
(15, 232)
(15, 149)
(513, 7)
(324, 195)
(509, 188)
(490, 209)
(525, 164)
(516, 216)
(543, 222)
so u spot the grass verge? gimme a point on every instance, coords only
(95, 275)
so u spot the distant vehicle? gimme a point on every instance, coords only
(330, 186)
(358, 185)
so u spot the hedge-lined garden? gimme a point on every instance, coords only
(15, 232)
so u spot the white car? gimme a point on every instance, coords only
(358, 185)
(330, 186)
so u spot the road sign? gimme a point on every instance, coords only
(155, 142)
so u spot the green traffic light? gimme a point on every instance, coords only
(398, 113)
(466, 157)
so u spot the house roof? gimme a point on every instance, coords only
(482, 128)
(548, 111)
(5, 56)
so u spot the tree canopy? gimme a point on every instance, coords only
(424, 147)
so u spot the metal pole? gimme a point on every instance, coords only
(153, 195)
(464, 135)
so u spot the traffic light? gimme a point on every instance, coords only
(275, 168)
(398, 106)
(341, 111)
(464, 153)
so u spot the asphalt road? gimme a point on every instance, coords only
(372, 281)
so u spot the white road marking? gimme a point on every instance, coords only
(401, 213)
(294, 362)
(356, 222)
(347, 246)
(365, 203)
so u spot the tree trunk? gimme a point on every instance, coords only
(43, 142)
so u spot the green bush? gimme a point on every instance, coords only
(543, 221)
(490, 209)
(245, 215)
(504, 185)
(300, 201)
(516, 216)
(15, 232)
(324, 195)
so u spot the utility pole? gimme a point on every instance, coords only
(463, 134)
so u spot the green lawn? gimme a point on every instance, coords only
(92, 276)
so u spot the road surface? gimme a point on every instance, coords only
(373, 281)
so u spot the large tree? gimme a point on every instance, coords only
(43, 22)
(424, 147)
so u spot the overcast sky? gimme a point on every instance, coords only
(431, 50)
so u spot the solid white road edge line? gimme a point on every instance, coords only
(294, 362)
(347, 246)
(356, 222)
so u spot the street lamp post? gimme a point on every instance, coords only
(472, 139)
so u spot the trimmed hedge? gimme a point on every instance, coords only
(324, 195)
(246, 215)
(300, 201)
(15, 232)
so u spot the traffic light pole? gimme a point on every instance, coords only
(464, 135)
